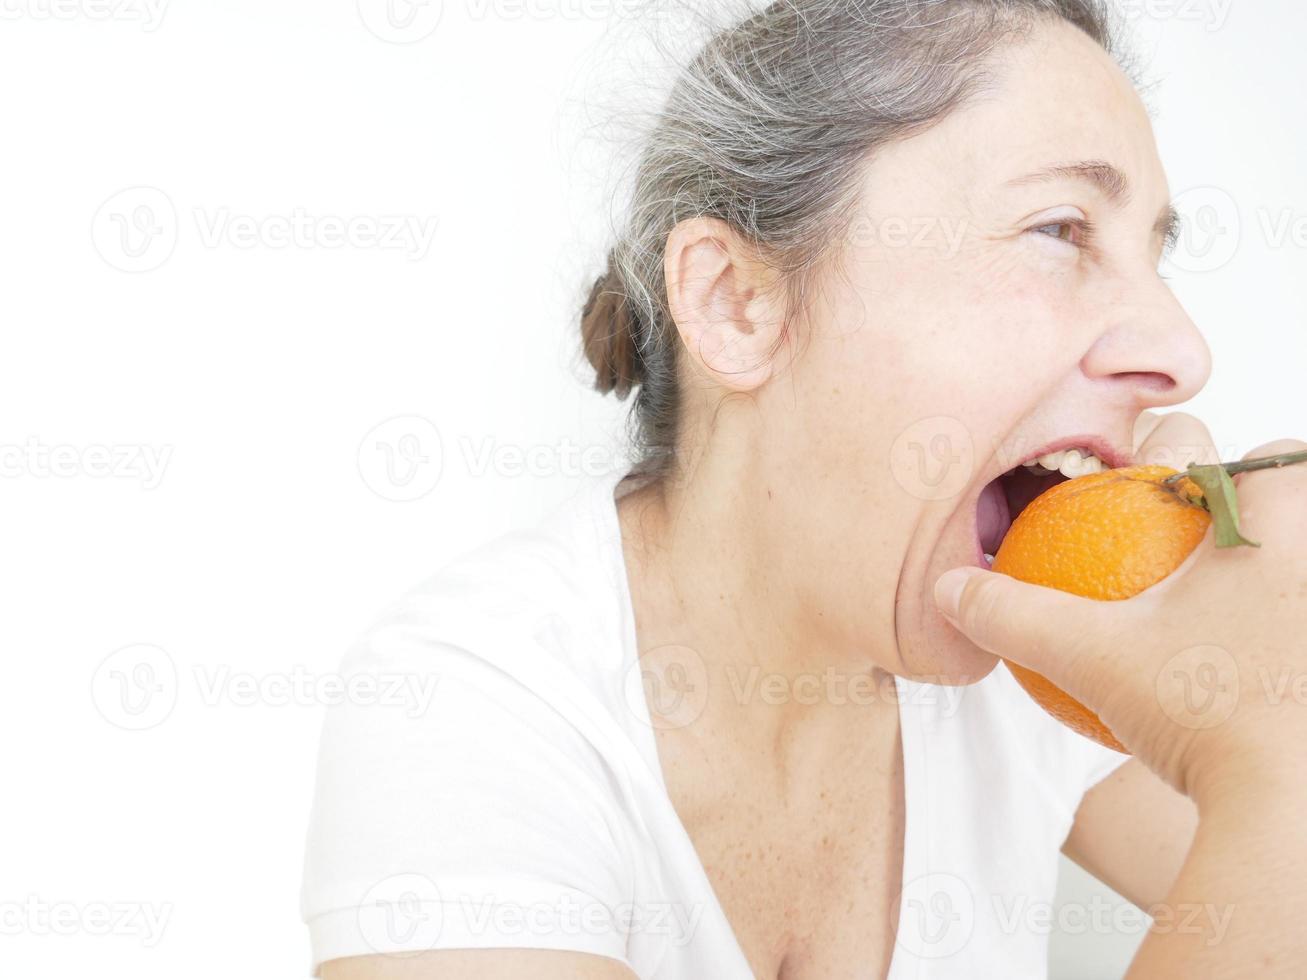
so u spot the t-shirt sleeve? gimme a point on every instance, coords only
(1071, 763)
(1100, 762)
(456, 808)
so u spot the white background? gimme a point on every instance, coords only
(188, 422)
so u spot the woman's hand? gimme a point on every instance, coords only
(1203, 676)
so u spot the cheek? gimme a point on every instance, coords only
(946, 343)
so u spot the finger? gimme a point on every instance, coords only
(1276, 448)
(1177, 440)
(1273, 501)
(1256, 483)
(1060, 635)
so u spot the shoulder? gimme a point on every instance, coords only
(497, 767)
(549, 590)
(524, 631)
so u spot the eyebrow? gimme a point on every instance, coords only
(1111, 183)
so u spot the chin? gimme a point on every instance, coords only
(933, 652)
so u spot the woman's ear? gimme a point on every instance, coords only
(721, 300)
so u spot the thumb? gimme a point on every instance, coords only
(1048, 630)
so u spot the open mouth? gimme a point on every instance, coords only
(1007, 496)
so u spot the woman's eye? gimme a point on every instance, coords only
(1078, 232)
(1064, 230)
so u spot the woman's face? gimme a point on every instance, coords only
(990, 306)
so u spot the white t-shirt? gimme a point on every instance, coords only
(492, 780)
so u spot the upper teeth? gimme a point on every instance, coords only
(1069, 462)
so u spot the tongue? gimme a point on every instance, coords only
(993, 517)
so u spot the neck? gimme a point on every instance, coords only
(716, 565)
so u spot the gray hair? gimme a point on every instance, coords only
(768, 129)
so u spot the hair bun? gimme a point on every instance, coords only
(609, 334)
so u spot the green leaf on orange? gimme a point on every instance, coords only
(1222, 499)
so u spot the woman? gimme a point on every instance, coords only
(708, 720)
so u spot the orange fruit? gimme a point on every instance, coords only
(1108, 536)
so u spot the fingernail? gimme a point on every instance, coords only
(948, 589)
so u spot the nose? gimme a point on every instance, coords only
(1150, 347)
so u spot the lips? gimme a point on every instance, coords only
(1005, 496)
